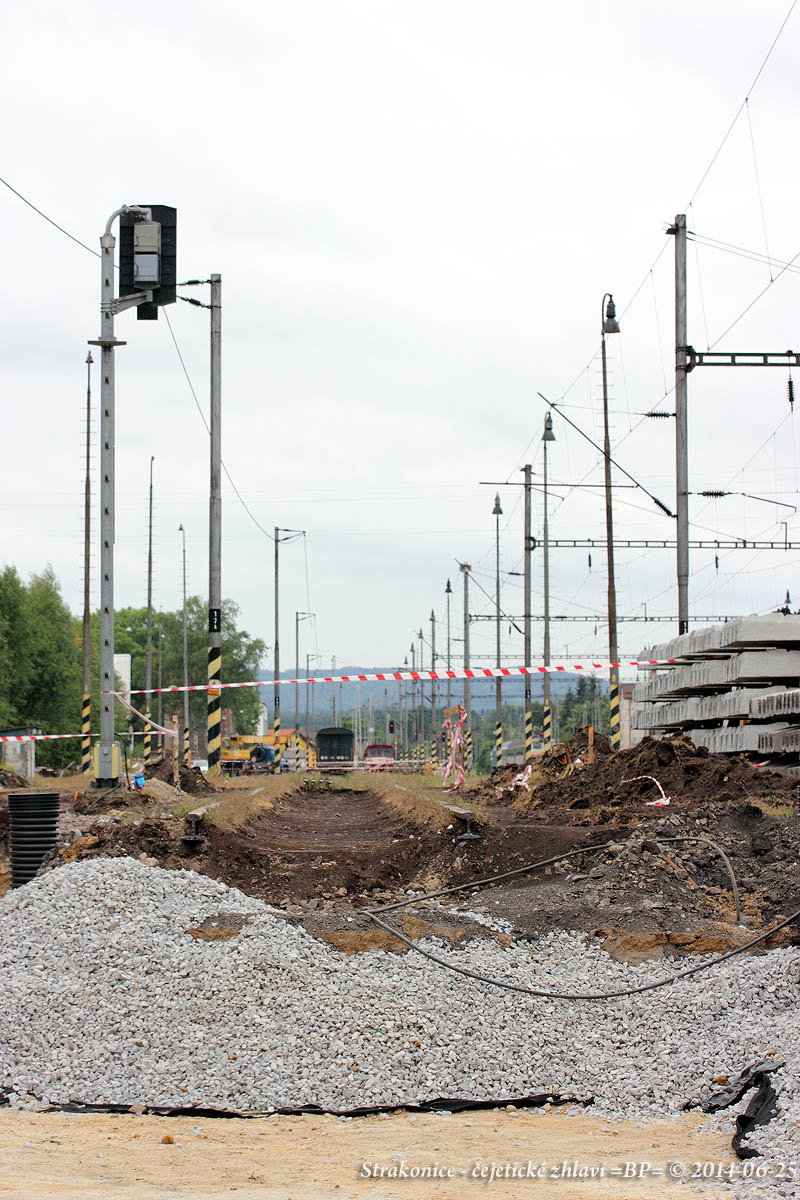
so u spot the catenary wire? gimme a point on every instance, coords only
(50, 220)
(244, 505)
(738, 113)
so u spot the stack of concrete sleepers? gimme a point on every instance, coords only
(734, 688)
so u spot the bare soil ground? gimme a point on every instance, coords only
(61, 1156)
(321, 849)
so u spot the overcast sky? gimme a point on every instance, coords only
(416, 210)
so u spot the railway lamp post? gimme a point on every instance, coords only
(609, 324)
(547, 717)
(497, 513)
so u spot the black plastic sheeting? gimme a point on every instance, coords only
(762, 1107)
(438, 1105)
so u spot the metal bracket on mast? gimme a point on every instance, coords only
(739, 358)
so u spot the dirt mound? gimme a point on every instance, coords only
(92, 801)
(10, 781)
(502, 788)
(191, 779)
(625, 784)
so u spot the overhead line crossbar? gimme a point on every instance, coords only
(667, 544)
(740, 358)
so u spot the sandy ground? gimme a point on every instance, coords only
(61, 1156)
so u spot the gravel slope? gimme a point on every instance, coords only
(107, 998)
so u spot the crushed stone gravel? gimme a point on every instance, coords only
(108, 998)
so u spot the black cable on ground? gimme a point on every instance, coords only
(547, 995)
(699, 837)
(528, 991)
(547, 862)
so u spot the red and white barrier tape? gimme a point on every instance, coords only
(38, 737)
(153, 725)
(665, 799)
(522, 780)
(455, 763)
(390, 676)
(52, 737)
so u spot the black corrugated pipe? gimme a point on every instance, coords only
(33, 831)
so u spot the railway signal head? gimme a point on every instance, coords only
(147, 257)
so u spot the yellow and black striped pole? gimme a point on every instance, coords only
(86, 733)
(214, 715)
(547, 727)
(528, 736)
(468, 740)
(146, 738)
(277, 739)
(614, 698)
(186, 747)
(434, 756)
(498, 744)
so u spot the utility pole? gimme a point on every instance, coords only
(357, 724)
(186, 756)
(421, 700)
(497, 512)
(547, 716)
(310, 708)
(148, 653)
(297, 685)
(465, 570)
(160, 681)
(277, 664)
(527, 606)
(403, 690)
(414, 730)
(681, 423)
(609, 324)
(298, 617)
(276, 701)
(214, 700)
(434, 739)
(86, 699)
(686, 359)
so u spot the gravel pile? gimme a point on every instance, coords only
(107, 998)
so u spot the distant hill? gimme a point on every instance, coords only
(483, 691)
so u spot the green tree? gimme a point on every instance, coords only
(41, 678)
(241, 659)
(40, 668)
